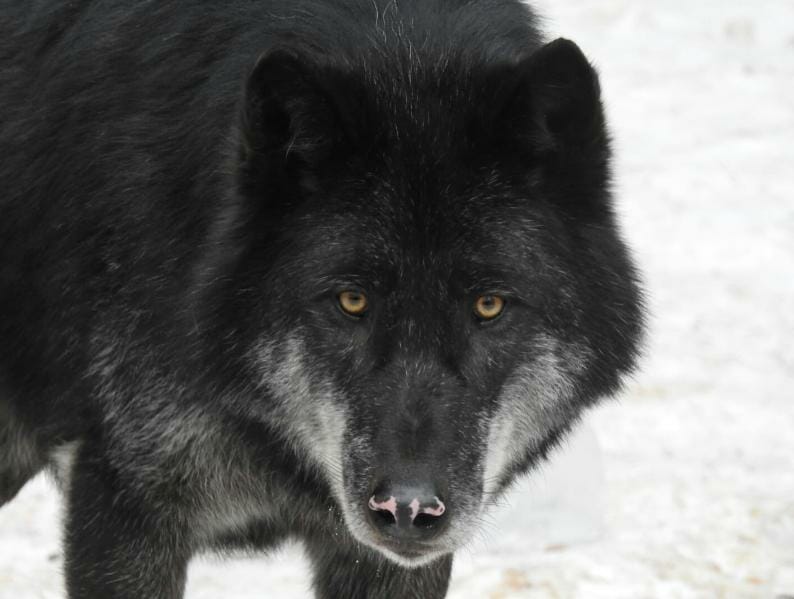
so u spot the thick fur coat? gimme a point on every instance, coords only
(188, 189)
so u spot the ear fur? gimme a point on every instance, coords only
(551, 100)
(289, 109)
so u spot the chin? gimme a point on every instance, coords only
(408, 556)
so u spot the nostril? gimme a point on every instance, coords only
(384, 518)
(428, 514)
(425, 521)
(384, 512)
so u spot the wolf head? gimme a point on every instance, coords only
(432, 285)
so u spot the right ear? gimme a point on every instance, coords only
(289, 111)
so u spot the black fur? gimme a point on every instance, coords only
(186, 188)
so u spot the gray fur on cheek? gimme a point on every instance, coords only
(534, 401)
(62, 459)
(307, 406)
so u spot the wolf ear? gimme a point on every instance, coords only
(290, 110)
(553, 101)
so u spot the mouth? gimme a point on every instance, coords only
(410, 554)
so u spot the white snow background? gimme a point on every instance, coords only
(684, 487)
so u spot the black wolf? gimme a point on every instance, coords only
(336, 270)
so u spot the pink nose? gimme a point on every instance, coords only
(389, 505)
(435, 508)
(407, 513)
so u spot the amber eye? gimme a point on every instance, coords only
(353, 302)
(488, 307)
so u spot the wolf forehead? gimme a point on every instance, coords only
(478, 243)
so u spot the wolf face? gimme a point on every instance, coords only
(432, 289)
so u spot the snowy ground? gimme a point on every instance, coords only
(684, 488)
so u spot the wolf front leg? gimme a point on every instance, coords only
(359, 573)
(118, 546)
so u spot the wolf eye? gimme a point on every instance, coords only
(488, 307)
(353, 303)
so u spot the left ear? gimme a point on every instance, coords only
(552, 100)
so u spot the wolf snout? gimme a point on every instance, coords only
(407, 512)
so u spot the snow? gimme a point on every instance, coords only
(684, 487)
